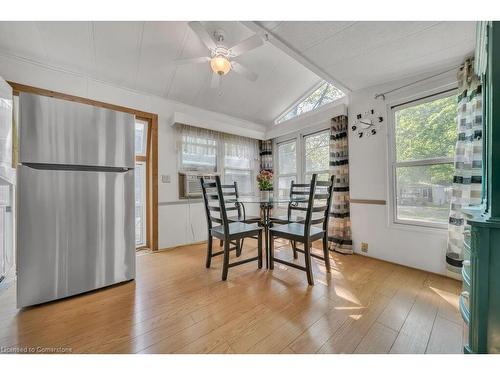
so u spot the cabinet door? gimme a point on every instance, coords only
(478, 295)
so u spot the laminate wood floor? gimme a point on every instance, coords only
(176, 305)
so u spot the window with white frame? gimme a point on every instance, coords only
(198, 151)
(317, 155)
(287, 167)
(235, 158)
(422, 159)
(323, 93)
(240, 157)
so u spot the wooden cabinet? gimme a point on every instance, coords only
(480, 298)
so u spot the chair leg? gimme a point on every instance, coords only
(271, 252)
(259, 249)
(209, 251)
(307, 253)
(238, 247)
(294, 247)
(326, 253)
(266, 235)
(225, 264)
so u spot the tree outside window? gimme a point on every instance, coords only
(425, 138)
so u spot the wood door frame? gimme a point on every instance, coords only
(151, 158)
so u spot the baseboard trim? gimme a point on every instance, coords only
(181, 246)
(404, 265)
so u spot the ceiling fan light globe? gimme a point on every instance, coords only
(220, 65)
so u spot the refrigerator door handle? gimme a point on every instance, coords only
(85, 168)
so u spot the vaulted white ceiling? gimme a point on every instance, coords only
(139, 55)
(363, 54)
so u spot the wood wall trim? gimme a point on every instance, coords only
(369, 201)
(152, 158)
(19, 87)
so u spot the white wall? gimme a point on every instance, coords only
(177, 223)
(369, 179)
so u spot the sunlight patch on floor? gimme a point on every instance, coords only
(449, 297)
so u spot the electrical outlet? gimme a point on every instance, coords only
(364, 247)
(165, 178)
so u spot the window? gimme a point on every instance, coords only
(199, 150)
(317, 155)
(240, 155)
(140, 204)
(322, 94)
(299, 158)
(141, 135)
(422, 162)
(287, 167)
(233, 157)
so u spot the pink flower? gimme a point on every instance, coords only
(265, 180)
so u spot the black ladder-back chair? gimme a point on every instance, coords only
(231, 232)
(232, 190)
(307, 232)
(296, 191)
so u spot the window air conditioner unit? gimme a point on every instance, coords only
(189, 184)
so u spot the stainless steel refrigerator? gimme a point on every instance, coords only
(75, 199)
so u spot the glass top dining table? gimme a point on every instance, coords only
(266, 203)
(270, 200)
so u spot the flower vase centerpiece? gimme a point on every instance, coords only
(265, 182)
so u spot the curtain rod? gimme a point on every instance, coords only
(383, 94)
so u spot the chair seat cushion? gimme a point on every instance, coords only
(284, 219)
(295, 229)
(248, 218)
(236, 228)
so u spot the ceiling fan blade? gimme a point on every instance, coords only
(240, 69)
(247, 45)
(215, 83)
(203, 34)
(195, 60)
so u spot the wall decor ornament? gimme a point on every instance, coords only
(367, 124)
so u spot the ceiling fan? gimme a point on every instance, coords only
(221, 57)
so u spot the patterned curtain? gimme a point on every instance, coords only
(467, 180)
(266, 155)
(339, 231)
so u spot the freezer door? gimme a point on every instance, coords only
(55, 131)
(75, 232)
